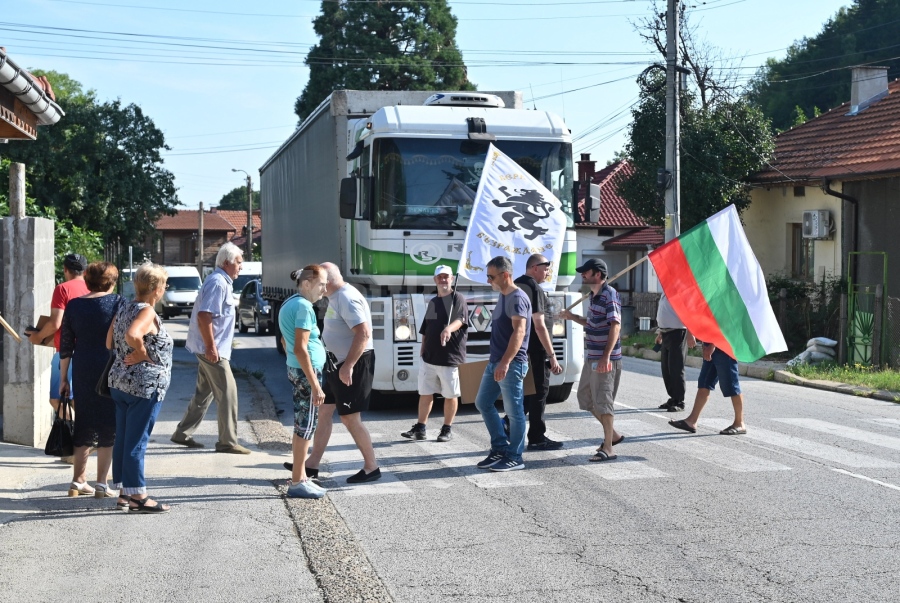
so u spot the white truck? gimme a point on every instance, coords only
(382, 184)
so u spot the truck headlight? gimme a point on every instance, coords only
(557, 325)
(404, 319)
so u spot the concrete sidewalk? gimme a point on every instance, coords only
(229, 535)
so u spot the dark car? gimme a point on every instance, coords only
(253, 310)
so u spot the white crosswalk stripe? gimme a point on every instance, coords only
(895, 423)
(825, 452)
(344, 460)
(849, 433)
(699, 448)
(620, 469)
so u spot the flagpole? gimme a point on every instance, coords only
(614, 277)
(452, 298)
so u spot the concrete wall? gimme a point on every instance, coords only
(768, 222)
(26, 248)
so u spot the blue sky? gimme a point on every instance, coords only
(220, 77)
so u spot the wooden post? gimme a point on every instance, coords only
(17, 190)
(878, 327)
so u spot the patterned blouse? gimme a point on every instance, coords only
(143, 379)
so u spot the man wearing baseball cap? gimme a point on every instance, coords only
(603, 365)
(74, 286)
(443, 350)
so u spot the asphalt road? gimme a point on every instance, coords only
(801, 509)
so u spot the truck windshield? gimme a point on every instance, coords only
(431, 184)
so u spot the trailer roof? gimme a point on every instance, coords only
(451, 122)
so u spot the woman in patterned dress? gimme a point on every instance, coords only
(138, 381)
(83, 343)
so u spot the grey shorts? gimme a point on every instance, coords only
(597, 391)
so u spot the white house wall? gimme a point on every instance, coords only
(768, 221)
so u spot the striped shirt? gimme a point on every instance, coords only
(604, 310)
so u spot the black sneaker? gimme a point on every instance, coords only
(546, 444)
(675, 407)
(505, 421)
(445, 434)
(492, 459)
(416, 433)
(665, 405)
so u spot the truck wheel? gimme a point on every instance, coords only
(559, 393)
(256, 328)
(241, 326)
(276, 331)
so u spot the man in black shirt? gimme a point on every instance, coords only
(541, 357)
(443, 350)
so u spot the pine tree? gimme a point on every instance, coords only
(382, 45)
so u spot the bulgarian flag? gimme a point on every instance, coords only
(717, 288)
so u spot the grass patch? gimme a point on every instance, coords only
(856, 374)
(640, 339)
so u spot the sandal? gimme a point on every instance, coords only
(80, 489)
(122, 502)
(143, 507)
(102, 490)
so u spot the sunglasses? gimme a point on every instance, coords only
(547, 264)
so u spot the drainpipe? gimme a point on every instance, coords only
(844, 318)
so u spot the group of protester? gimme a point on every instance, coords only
(90, 322)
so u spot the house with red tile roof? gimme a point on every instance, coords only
(176, 239)
(832, 188)
(616, 234)
(26, 101)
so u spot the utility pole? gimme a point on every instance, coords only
(673, 124)
(249, 253)
(200, 242)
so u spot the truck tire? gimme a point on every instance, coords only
(241, 327)
(559, 393)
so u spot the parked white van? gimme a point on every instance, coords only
(181, 291)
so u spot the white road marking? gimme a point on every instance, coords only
(825, 452)
(845, 432)
(895, 423)
(699, 448)
(865, 478)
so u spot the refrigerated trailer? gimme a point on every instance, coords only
(382, 184)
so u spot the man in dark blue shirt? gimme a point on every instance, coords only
(506, 369)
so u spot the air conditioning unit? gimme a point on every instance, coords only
(817, 224)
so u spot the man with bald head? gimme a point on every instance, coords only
(348, 335)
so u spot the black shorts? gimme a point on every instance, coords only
(356, 397)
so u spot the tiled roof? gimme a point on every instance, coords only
(189, 219)
(638, 238)
(614, 210)
(239, 218)
(840, 146)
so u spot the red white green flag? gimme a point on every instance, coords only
(717, 288)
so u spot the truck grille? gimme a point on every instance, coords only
(404, 355)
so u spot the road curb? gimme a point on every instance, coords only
(334, 556)
(774, 371)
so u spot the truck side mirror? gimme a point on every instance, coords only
(348, 198)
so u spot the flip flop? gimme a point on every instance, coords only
(733, 431)
(602, 456)
(680, 424)
(619, 441)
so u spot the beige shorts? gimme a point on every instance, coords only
(443, 380)
(597, 391)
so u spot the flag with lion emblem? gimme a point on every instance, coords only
(515, 216)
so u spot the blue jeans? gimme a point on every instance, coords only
(513, 390)
(135, 418)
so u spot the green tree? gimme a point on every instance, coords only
(721, 144)
(67, 237)
(382, 45)
(814, 71)
(99, 167)
(236, 198)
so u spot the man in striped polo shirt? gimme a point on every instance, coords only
(603, 365)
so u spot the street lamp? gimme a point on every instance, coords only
(249, 255)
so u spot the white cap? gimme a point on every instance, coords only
(443, 270)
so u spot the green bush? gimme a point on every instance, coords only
(811, 308)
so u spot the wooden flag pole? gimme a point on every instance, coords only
(10, 330)
(614, 277)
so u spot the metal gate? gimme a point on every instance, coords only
(865, 310)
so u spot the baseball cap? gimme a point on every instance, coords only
(443, 270)
(75, 262)
(593, 264)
